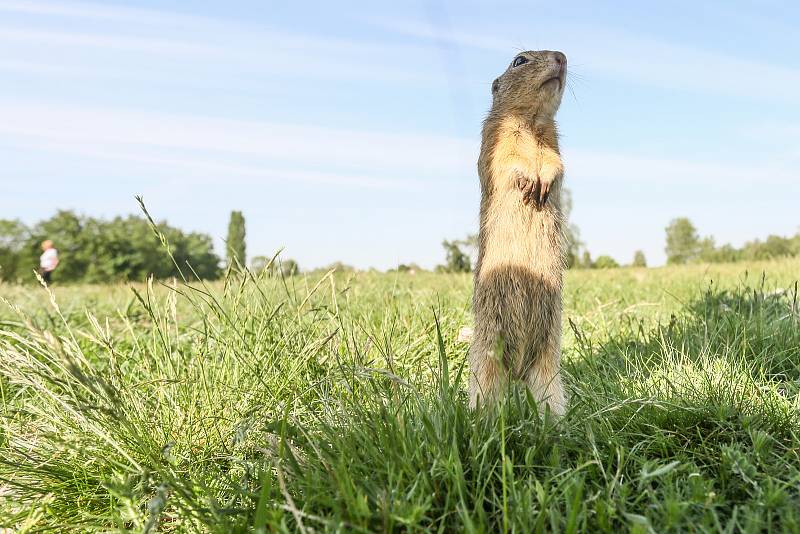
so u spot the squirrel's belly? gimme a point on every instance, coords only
(518, 236)
(518, 280)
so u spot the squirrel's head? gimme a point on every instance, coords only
(532, 84)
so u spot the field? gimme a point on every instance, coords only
(338, 403)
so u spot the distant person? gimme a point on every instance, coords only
(48, 261)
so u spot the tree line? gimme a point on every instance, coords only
(96, 250)
(684, 245)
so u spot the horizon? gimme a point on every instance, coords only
(352, 134)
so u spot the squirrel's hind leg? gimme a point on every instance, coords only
(544, 378)
(487, 377)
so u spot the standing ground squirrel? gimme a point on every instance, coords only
(518, 276)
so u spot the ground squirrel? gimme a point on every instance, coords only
(518, 275)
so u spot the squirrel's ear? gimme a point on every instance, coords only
(495, 85)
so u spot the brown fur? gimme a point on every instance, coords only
(518, 276)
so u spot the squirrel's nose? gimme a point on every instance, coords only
(560, 58)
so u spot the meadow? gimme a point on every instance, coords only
(337, 403)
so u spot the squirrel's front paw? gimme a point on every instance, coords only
(534, 190)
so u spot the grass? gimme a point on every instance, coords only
(337, 403)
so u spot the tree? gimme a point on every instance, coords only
(456, 260)
(469, 245)
(725, 254)
(236, 252)
(572, 234)
(259, 263)
(278, 267)
(638, 259)
(407, 268)
(288, 267)
(774, 247)
(12, 239)
(586, 261)
(339, 267)
(683, 244)
(197, 250)
(75, 246)
(605, 262)
(706, 248)
(99, 251)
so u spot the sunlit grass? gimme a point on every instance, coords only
(338, 403)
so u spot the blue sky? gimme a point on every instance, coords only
(349, 131)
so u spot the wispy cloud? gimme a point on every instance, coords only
(317, 154)
(197, 170)
(619, 168)
(96, 11)
(35, 67)
(100, 40)
(328, 155)
(227, 44)
(631, 57)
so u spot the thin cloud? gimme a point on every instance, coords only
(94, 11)
(355, 157)
(100, 40)
(227, 46)
(620, 168)
(197, 170)
(36, 67)
(631, 57)
(371, 159)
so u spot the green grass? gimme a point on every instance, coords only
(338, 404)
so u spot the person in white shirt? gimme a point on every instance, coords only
(48, 261)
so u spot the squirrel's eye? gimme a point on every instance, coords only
(519, 60)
